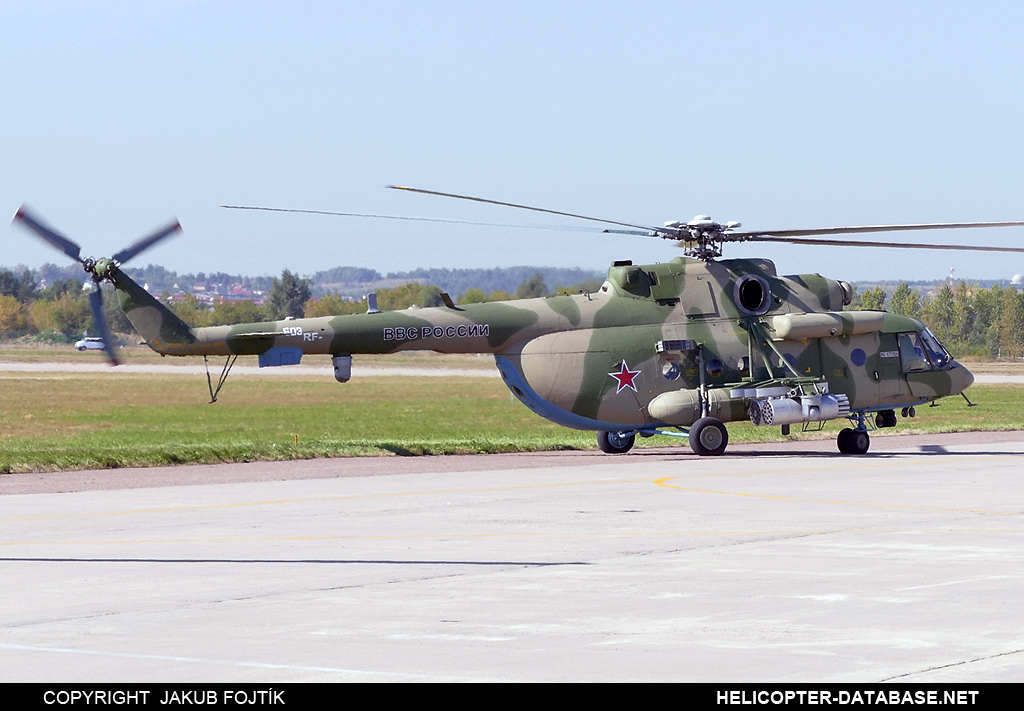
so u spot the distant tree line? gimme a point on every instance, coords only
(156, 277)
(348, 281)
(416, 294)
(60, 308)
(498, 279)
(967, 319)
(61, 313)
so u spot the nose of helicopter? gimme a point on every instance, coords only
(960, 379)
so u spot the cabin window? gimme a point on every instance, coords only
(715, 368)
(912, 355)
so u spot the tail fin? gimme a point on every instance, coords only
(161, 328)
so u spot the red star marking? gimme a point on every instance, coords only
(625, 377)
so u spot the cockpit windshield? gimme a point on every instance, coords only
(939, 356)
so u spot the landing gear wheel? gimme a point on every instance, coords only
(887, 418)
(851, 441)
(615, 442)
(843, 440)
(708, 437)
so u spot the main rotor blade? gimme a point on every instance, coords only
(747, 234)
(894, 245)
(99, 319)
(660, 230)
(48, 234)
(420, 219)
(146, 242)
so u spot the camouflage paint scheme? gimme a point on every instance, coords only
(592, 361)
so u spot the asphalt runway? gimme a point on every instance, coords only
(785, 563)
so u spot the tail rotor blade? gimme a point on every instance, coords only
(100, 320)
(48, 234)
(146, 242)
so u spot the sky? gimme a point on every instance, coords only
(116, 116)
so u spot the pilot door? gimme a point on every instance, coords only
(892, 386)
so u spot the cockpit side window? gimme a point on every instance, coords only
(939, 356)
(912, 354)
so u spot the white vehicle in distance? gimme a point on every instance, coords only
(90, 344)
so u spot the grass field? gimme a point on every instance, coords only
(55, 421)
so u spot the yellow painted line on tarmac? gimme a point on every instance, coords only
(902, 463)
(662, 482)
(849, 464)
(352, 497)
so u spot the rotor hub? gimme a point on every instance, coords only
(102, 269)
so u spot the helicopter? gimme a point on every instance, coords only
(679, 348)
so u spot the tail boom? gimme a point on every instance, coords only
(162, 330)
